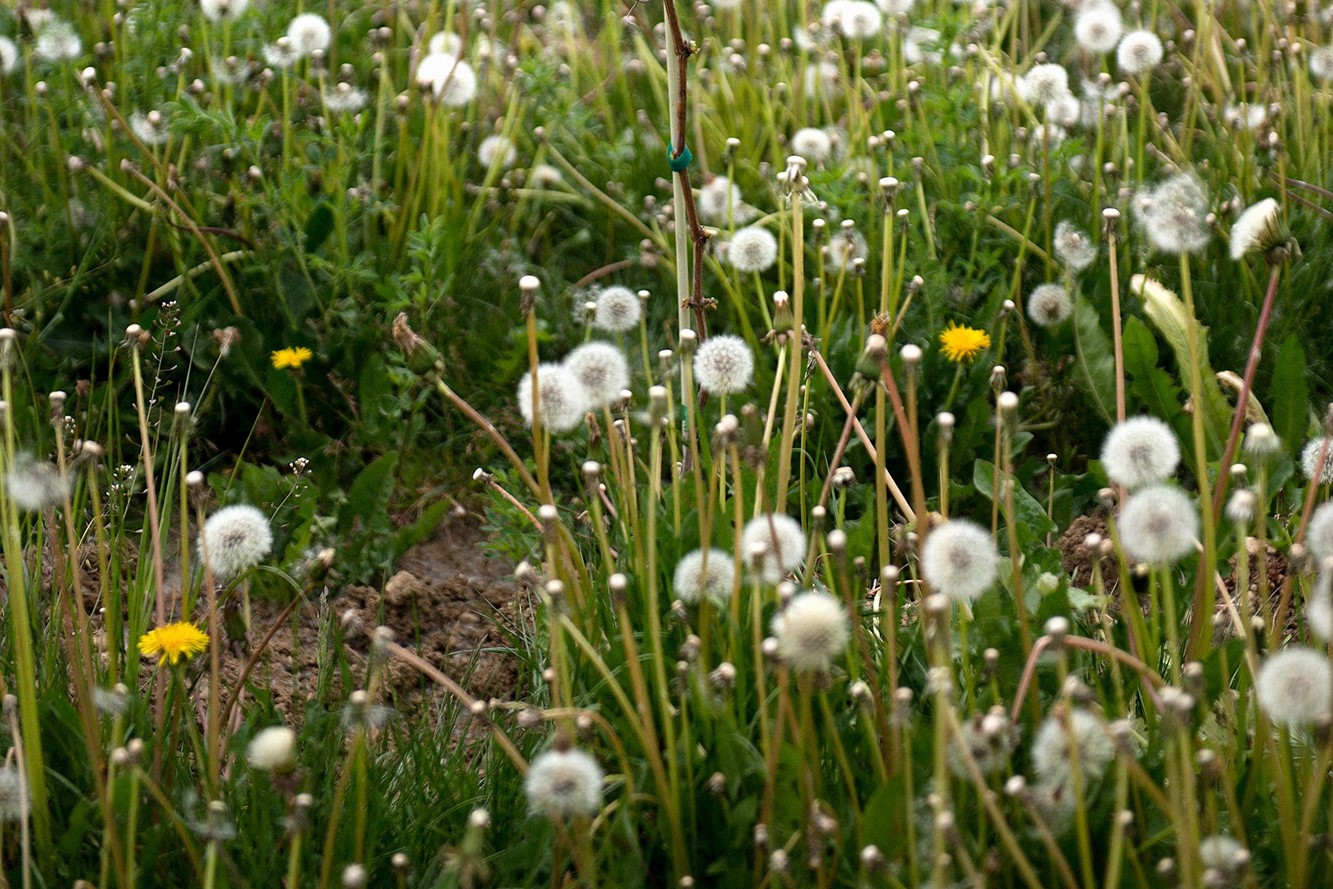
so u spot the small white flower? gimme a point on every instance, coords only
(1293, 686)
(724, 364)
(602, 369)
(562, 400)
(1139, 51)
(309, 33)
(1140, 451)
(234, 540)
(774, 544)
(960, 560)
(618, 309)
(273, 749)
(562, 783)
(694, 579)
(1098, 27)
(497, 150)
(1159, 525)
(1049, 305)
(1256, 229)
(752, 249)
(812, 631)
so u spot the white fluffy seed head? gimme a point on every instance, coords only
(853, 19)
(1049, 305)
(562, 783)
(844, 248)
(1293, 686)
(561, 399)
(1174, 215)
(1159, 525)
(618, 309)
(813, 144)
(724, 364)
(602, 369)
(1321, 63)
(451, 81)
(1077, 734)
(234, 540)
(223, 10)
(752, 249)
(1098, 27)
(1225, 856)
(446, 42)
(1310, 461)
(14, 802)
(273, 749)
(960, 560)
(774, 544)
(1319, 533)
(1139, 51)
(1072, 247)
(34, 485)
(720, 203)
(1256, 229)
(812, 631)
(9, 55)
(1044, 84)
(1140, 451)
(309, 33)
(1319, 603)
(497, 151)
(1261, 440)
(704, 573)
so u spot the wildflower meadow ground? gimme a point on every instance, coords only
(877, 443)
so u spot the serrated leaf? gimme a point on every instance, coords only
(368, 498)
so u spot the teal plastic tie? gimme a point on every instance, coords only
(679, 163)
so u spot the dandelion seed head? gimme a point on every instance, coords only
(1073, 247)
(1140, 451)
(1256, 229)
(280, 54)
(445, 42)
(272, 749)
(775, 544)
(34, 485)
(812, 631)
(1225, 857)
(1159, 525)
(921, 44)
(822, 73)
(1174, 215)
(451, 81)
(602, 370)
(309, 33)
(1293, 686)
(990, 739)
(1060, 739)
(9, 56)
(1139, 51)
(1098, 27)
(57, 41)
(498, 151)
(854, 19)
(561, 399)
(234, 540)
(1245, 116)
(752, 249)
(1321, 63)
(14, 802)
(563, 783)
(720, 203)
(1310, 461)
(896, 7)
(960, 560)
(813, 144)
(150, 128)
(223, 10)
(345, 99)
(724, 364)
(1319, 604)
(844, 248)
(1044, 84)
(1049, 305)
(1319, 533)
(694, 580)
(618, 309)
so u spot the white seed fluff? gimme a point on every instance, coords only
(853, 19)
(617, 310)
(1072, 247)
(57, 41)
(561, 783)
(309, 33)
(234, 540)
(1098, 27)
(1159, 525)
(1310, 461)
(498, 151)
(694, 579)
(1319, 533)
(1049, 305)
(1139, 51)
(1174, 215)
(813, 144)
(9, 56)
(724, 364)
(812, 631)
(273, 749)
(223, 10)
(602, 369)
(1044, 84)
(562, 400)
(1319, 605)
(1294, 685)
(1059, 740)
(14, 802)
(1140, 451)
(451, 81)
(720, 203)
(1255, 229)
(959, 559)
(1321, 63)
(446, 42)
(752, 249)
(774, 544)
(34, 485)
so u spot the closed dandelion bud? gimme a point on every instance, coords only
(723, 676)
(872, 859)
(1057, 628)
(902, 707)
(778, 862)
(421, 356)
(657, 406)
(782, 316)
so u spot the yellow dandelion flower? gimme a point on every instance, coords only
(291, 357)
(963, 343)
(174, 641)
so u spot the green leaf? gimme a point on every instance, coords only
(410, 535)
(1095, 358)
(368, 498)
(1151, 385)
(1290, 394)
(1030, 515)
(318, 226)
